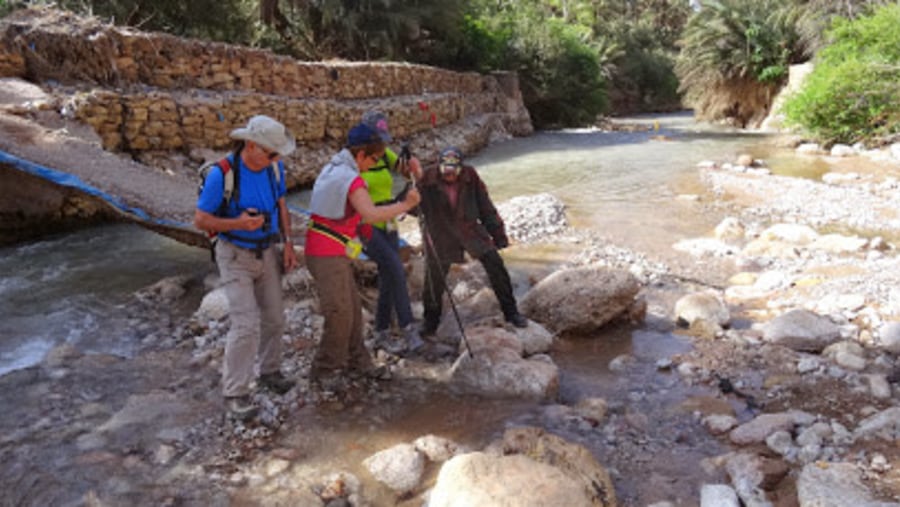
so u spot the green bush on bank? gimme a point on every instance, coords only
(559, 70)
(853, 94)
(559, 74)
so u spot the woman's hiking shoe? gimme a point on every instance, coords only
(391, 345)
(413, 341)
(276, 382)
(241, 408)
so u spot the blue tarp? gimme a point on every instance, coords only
(72, 181)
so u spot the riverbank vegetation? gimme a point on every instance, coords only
(852, 94)
(577, 59)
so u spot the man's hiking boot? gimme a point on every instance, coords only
(428, 329)
(241, 407)
(372, 372)
(518, 320)
(413, 341)
(276, 382)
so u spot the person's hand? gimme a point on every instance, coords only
(415, 168)
(290, 257)
(247, 221)
(412, 199)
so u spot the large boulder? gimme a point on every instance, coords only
(802, 330)
(580, 300)
(497, 368)
(528, 468)
(508, 481)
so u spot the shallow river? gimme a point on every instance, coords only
(623, 185)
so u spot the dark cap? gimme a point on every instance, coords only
(377, 121)
(361, 135)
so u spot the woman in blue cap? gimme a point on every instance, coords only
(342, 210)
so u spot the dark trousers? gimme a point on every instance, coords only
(435, 279)
(393, 295)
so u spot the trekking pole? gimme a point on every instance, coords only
(429, 243)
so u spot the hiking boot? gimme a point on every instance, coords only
(518, 320)
(386, 342)
(241, 408)
(413, 340)
(428, 329)
(395, 347)
(372, 372)
(382, 336)
(276, 382)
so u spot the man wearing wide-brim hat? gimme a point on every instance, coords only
(247, 226)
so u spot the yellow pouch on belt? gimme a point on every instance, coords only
(352, 246)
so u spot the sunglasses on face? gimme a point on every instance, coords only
(271, 155)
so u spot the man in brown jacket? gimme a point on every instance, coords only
(458, 217)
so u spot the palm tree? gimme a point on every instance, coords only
(735, 55)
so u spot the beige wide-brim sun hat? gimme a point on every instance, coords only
(268, 133)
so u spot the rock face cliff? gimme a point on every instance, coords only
(169, 102)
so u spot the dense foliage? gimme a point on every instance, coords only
(575, 58)
(569, 53)
(736, 55)
(221, 20)
(853, 93)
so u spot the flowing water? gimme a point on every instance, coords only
(622, 185)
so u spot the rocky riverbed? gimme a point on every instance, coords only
(788, 308)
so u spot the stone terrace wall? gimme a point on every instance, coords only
(152, 92)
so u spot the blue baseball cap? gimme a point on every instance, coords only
(361, 135)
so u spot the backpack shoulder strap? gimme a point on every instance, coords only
(227, 178)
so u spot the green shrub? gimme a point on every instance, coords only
(558, 71)
(852, 94)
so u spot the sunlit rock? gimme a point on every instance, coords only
(801, 330)
(399, 468)
(833, 485)
(730, 230)
(701, 306)
(498, 369)
(580, 300)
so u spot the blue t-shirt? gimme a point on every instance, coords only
(258, 189)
